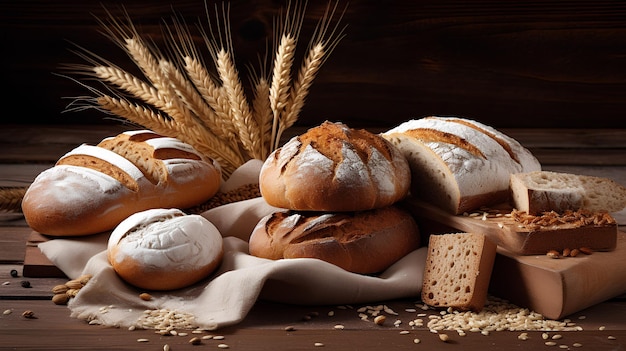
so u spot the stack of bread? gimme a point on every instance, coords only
(339, 189)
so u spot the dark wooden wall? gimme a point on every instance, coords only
(506, 63)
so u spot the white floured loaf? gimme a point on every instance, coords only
(458, 270)
(164, 249)
(335, 168)
(545, 191)
(91, 189)
(459, 164)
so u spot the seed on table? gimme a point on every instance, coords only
(380, 320)
(60, 299)
(444, 337)
(143, 340)
(25, 284)
(14, 273)
(145, 296)
(416, 341)
(195, 341)
(222, 346)
(550, 343)
(318, 344)
(28, 314)
(290, 328)
(7, 312)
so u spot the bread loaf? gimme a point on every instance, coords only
(164, 249)
(545, 191)
(459, 164)
(334, 168)
(457, 271)
(92, 189)
(361, 242)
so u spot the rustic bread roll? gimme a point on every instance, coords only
(459, 164)
(164, 249)
(360, 242)
(457, 271)
(91, 189)
(544, 191)
(335, 168)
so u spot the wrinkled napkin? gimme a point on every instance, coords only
(225, 297)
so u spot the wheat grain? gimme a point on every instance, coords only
(242, 117)
(281, 76)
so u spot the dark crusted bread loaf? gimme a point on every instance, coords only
(360, 242)
(91, 189)
(459, 164)
(457, 271)
(335, 168)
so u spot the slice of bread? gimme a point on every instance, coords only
(544, 191)
(457, 271)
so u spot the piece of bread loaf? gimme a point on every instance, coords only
(364, 242)
(459, 164)
(91, 189)
(545, 191)
(335, 168)
(164, 249)
(457, 271)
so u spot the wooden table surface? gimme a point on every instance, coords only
(27, 150)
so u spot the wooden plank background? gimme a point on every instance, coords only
(507, 63)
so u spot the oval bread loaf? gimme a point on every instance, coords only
(164, 249)
(459, 164)
(364, 242)
(335, 168)
(91, 189)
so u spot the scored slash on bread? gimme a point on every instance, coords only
(458, 270)
(91, 189)
(545, 191)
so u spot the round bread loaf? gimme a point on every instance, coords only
(363, 242)
(335, 168)
(164, 249)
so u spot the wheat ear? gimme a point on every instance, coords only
(213, 96)
(249, 132)
(263, 113)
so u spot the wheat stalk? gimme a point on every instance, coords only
(11, 198)
(213, 96)
(242, 116)
(263, 113)
(183, 100)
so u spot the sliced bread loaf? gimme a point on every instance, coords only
(457, 271)
(459, 164)
(544, 191)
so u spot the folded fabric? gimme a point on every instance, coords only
(228, 294)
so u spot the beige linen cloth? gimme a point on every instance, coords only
(227, 296)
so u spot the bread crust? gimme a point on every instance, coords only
(91, 189)
(335, 168)
(459, 164)
(364, 242)
(164, 249)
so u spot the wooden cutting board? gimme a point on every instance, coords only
(508, 234)
(556, 288)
